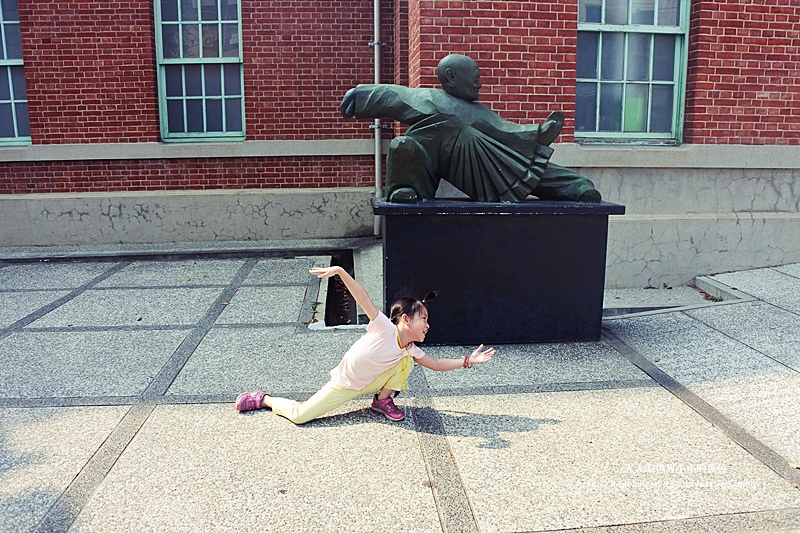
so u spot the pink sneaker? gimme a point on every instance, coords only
(249, 401)
(387, 408)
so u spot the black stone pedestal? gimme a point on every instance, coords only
(506, 273)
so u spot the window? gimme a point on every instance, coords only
(630, 70)
(14, 125)
(200, 73)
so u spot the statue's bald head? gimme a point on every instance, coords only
(460, 76)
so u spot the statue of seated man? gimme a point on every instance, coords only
(453, 137)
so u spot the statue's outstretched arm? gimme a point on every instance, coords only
(394, 102)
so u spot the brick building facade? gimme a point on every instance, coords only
(98, 107)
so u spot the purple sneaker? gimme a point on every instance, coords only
(387, 408)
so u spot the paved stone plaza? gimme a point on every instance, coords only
(118, 378)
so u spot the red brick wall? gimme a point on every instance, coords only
(744, 72)
(526, 51)
(301, 57)
(91, 78)
(90, 71)
(182, 174)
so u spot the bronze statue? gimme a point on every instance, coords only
(455, 138)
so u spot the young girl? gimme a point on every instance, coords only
(378, 363)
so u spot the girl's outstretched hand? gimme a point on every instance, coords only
(324, 272)
(480, 356)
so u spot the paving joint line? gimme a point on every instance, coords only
(166, 376)
(63, 513)
(39, 313)
(449, 493)
(763, 453)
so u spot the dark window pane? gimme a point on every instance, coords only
(589, 10)
(213, 77)
(585, 106)
(661, 114)
(664, 57)
(194, 80)
(5, 86)
(230, 10)
(230, 40)
(13, 42)
(636, 97)
(18, 83)
(174, 79)
(169, 10)
(175, 116)
(616, 12)
(210, 40)
(233, 80)
(638, 56)
(643, 12)
(213, 115)
(611, 107)
(170, 40)
(188, 10)
(23, 122)
(191, 40)
(587, 54)
(10, 12)
(233, 114)
(209, 10)
(669, 12)
(194, 116)
(611, 63)
(6, 121)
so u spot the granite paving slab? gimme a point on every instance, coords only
(83, 363)
(175, 273)
(132, 307)
(286, 271)
(27, 276)
(206, 467)
(549, 461)
(41, 452)
(264, 305)
(779, 287)
(587, 364)
(17, 305)
(233, 360)
(691, 351)
(772, 331)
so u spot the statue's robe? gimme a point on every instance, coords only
(467, 144)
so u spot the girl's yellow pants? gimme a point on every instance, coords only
(332, 395)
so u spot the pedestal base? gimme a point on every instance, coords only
(505, 273)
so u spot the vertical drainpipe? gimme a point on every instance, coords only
(376, 47)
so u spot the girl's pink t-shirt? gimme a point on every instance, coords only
(372, 355)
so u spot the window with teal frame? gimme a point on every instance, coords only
(14, 125)
(631, 70)
(200, 70)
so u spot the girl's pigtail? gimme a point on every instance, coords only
(430, 296)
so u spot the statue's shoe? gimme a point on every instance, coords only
(404, 195)
(551, 128)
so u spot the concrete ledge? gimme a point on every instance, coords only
(572, 155)
(712, 156)
(184, 216)
(158, 150)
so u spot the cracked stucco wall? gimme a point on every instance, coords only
(681, 223)
(186, 216)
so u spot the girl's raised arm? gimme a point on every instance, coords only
(358, 292)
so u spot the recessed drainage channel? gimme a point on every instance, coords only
(715, 293)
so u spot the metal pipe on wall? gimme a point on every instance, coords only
(376, 47)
